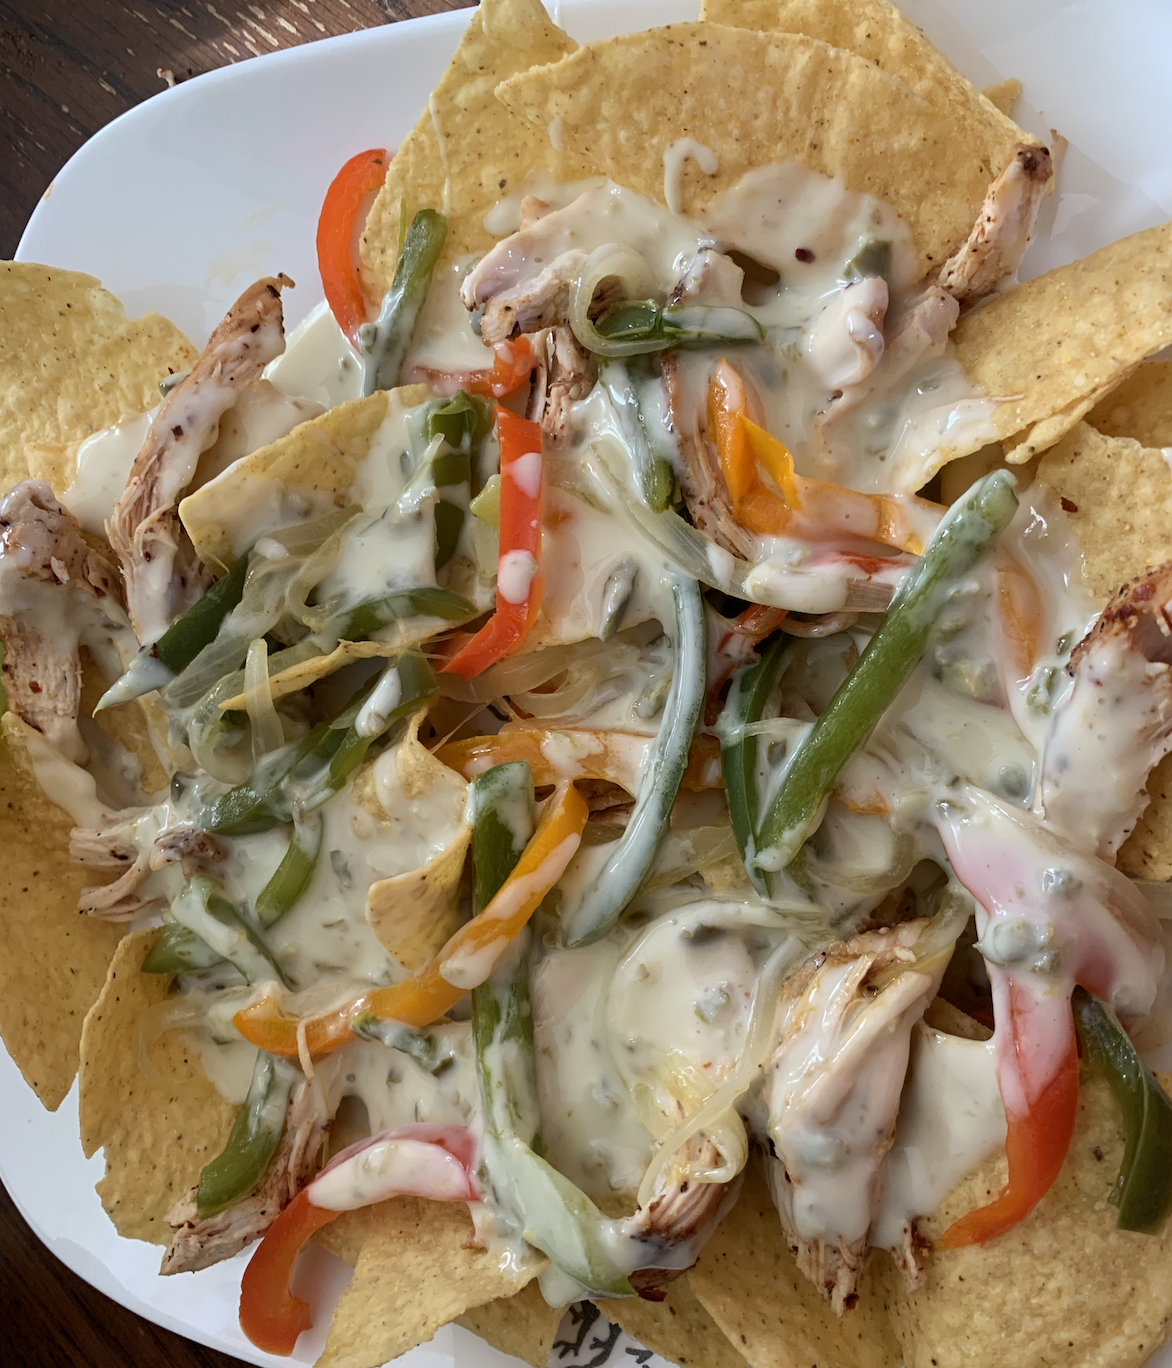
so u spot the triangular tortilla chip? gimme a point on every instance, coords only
(753, 99)
(1141, 407)
(418, 1270)
(1049, 350)
(467, 151)
(71, 362)
(524, 1325)
(749, 1283)
(1003, 95)
(156, 1136)
(678, 1328)
(1063, 1287)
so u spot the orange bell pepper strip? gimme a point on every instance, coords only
(810, 509)
(1038, 1134)
(361, 177)
(616, 757)
(512, 365)
(463, 963)
(1019, 609)
(518, 581)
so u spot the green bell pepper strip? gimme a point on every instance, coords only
(179, 950)
(634, 852)
(678, 325)
(738, 752)
(156, 665)
(449, 523)
(463, 422)
(451, 468)
(202, 907)
(384, 342)
(371, 615)
(1143, 1190)
(968, 531)
(555, 1216)
(656, 477)
(423, 1046)
(253, 1139)
(291, 877)
(309, 772)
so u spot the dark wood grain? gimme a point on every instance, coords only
(70, 66)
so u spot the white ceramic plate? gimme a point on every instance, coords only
(180, 203)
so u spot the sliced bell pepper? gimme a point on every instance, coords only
(1020, 612)
(519, 581)
(512, 364)
(556, 755)
(463, 963)
(360, 177)
(1038, 1134)
(270, 1315)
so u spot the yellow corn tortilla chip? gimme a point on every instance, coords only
(467, 151)
(756, 98)
(1049, 350)
(414, 914)
(53, 960)
(749, 1283)
(71, 362)
(677, 1329)
(156, 1135)
(1064, 1287)
(1141, 407)
(1147, 852)
(523, 1325)
(879, 33)
(418, 1269)
(1003, 95)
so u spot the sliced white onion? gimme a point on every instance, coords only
(608, 262)
(267, 733)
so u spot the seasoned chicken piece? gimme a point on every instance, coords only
(56, 594)
(532, 209)
(846, 342)
(709, 278)
(832, 1090)
(701, 479)
(1002, 231)
(200, 1243)
(159, 566)
(1115, 722)
(565, 373)
(540, 301)
(197, 851)
(114, 847)
(522, 256)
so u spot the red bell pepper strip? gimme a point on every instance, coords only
(270, 1315)
(512, 365)
(519, 580)
(361, 177)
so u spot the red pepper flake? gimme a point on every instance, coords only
(1068, 505)
(804, 254)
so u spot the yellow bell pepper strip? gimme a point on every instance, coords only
(554, 756)
(519, 583)
(812, 510)
(461, 965)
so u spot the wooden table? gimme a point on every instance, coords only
(69, 67)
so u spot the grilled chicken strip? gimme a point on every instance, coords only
(565, 373)
(1115, 723)
(56, 594)
(114, 847)
(200, 1243)
(159, 566)
(832, 1089)
(1002, 231)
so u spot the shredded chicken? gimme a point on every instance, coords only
(1115, 722)
(709, 277)
(540, 301)
(510, 262)
(200, 1243)
(114, 847)
(159, 566)
(1002, 231)
(701, 479)
(565, 373)
(52, 583)
(911, 1256)
(832, 1089)
(846, 341)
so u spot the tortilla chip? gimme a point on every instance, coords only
(748, 1282)
(1003, 95)
(1049, 350)
(418, 1269)
(156, 1137)
(1063, 1287)
(677, 1329)
(414, 914)
(487, 152)
(524, 1325)
(71, 362)
(53, 960)
(879, 33)
(692, 81)
(1141, 407)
